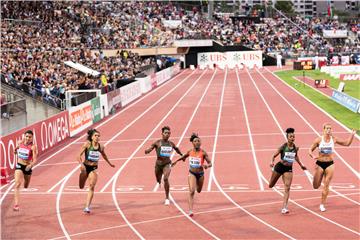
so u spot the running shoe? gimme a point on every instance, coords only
(284, 211)
(86, 210)
(167, 202)
(191, 214)
(16, 207)
(322, 208)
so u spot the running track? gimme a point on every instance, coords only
(240, 116)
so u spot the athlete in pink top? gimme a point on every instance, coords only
(26, 153)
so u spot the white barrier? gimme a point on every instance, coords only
(335, 71)
(129, 93)
(145, 84)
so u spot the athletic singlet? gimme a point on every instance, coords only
(25, 152)
(165, 149)
(288, 154)
(196, 159)
(326, 147)
(92, 154)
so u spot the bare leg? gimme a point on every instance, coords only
(192, 186)
(92, 182)
(167, 171)
(274, 178)
(287, 179)
(82, 179)
(329, 172)
(199, 184)
(318, 175)
(27, 179)
(19, 176)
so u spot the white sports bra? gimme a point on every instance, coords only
(326, 147)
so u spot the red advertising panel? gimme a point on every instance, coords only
(47, 134)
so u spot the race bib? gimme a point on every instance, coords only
(289, 157)
(195, 162)
(23, 153)
(94, 156)
(326, 150)
(165, 151)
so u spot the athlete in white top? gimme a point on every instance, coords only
(325, 161)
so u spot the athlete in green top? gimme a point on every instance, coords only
(288, 154)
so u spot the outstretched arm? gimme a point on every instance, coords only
(186, 155)
(346, 142)
(176, 149)
(105, 157)
(147, 151)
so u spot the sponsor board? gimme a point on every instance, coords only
(349, 77)
(114, 100)
(80, 118)
(345, 100)
(247, 58)
(95, 109)
(129, 93)
(47, 134)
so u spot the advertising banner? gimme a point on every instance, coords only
(247, 58)
(47, 134)
(80, 118)
(96, 109)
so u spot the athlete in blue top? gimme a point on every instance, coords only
(164, 148)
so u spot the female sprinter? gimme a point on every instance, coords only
(26, 152)
(196, 172)
(288, 154)
(325, 160)
(164, 149)
(92, 150)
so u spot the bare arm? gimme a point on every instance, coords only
(278, 151)
(207, 159)
(82, 151)
(297, 159)
(176, 149)
(35, 155)
(154, 145)
(17, 146)
(346, 142)
(313, 147)
(186, 155)
(105, 156)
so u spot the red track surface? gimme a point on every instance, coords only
(240, 126)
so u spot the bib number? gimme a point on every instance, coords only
(23, 153)
(94, 156)
(165, 151)
(289, 157)
(195, 162)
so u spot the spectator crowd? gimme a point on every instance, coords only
(38, 37)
